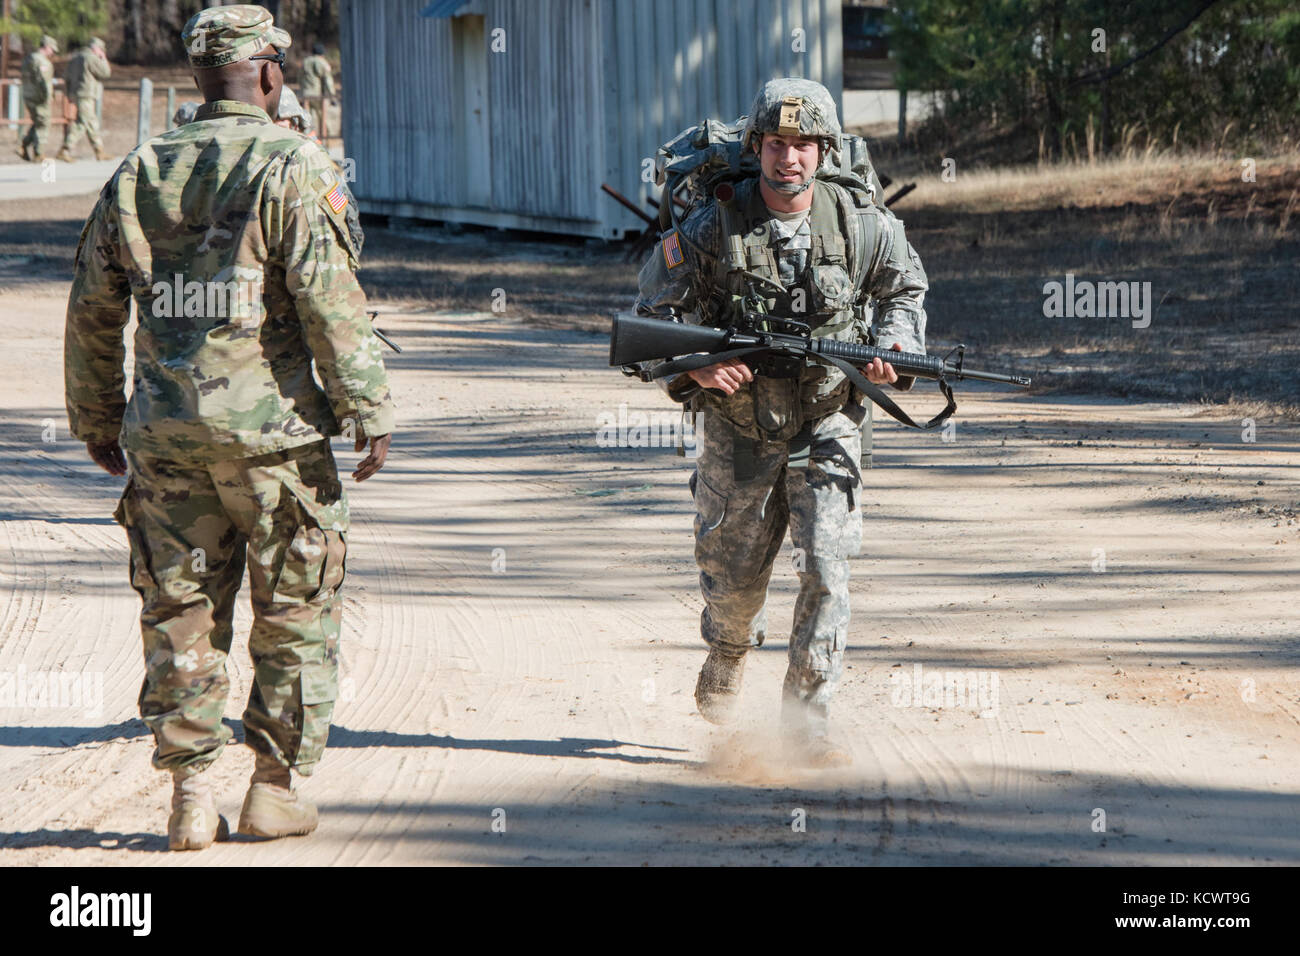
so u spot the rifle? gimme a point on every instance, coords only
(760, 338)
(379, 333)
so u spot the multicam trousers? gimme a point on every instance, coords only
(746, 494)
(192, 528)
(38, 133)
(87, 124)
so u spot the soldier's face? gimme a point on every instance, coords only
(789, 159)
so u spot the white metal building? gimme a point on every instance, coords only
(513, 112)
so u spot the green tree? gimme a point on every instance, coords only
(1192, 71)
(70, 22)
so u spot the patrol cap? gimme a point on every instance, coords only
(219, 36)
(96, 41)
(50, 42)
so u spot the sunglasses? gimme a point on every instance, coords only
(277, 56)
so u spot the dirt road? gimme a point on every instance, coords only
(1112, 586)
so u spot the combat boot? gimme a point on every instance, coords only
(64, 155)
(717, 691)
(22, 151)
(194, 822)
(38, 158)
(101, 153)
(272, 808)
(804, 715)
(815, 751)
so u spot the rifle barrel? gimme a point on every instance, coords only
(912, 363)
(635, 338)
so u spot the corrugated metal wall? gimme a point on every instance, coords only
(584, 92)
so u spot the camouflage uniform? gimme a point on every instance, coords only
(784, 452)
(38, 96)
(317, 81)
(85, 76)
(226, 429)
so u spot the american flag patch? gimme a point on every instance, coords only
(672, 250)
(336, 199)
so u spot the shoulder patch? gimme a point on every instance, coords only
(672, 250)
(337, 198)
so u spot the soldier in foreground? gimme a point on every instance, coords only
(229, 233)
(38, 97)
(784, 451)
(317, 82)
(84, 81)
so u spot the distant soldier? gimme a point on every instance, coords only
(291, 115)
(184, 113)
(317, 81)
(229, 233)
(38, 95)
(84, 79)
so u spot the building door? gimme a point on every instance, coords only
(469, 40)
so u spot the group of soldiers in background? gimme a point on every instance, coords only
(84, 78)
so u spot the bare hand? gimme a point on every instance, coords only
(725, 376)
(107, 455)
(882, 373)
(375, 460)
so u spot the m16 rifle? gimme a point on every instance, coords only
(759, 337)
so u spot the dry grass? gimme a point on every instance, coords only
(1220, 254)
(1137, 180)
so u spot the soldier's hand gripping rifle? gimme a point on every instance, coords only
(634, 339)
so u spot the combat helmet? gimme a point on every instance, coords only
(793, 106)
(291, 109)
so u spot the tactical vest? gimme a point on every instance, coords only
(826, 297)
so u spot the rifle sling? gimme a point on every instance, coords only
(690, 363)
(884, 401)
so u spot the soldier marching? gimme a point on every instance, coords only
(84, 85)
(783, 452)
(225, 437)
(38, 97)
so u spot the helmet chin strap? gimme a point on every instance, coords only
(789, 189)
